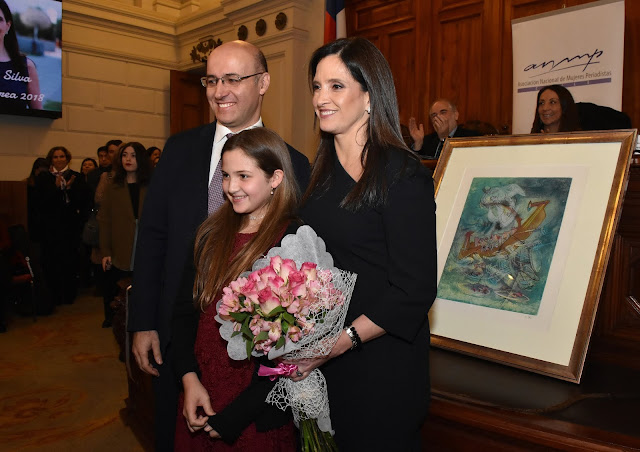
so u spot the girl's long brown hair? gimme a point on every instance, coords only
(216, 236)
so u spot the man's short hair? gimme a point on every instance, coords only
(261, 61)
(101, 149)
(114, 142)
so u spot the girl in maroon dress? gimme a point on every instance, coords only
(224, 400)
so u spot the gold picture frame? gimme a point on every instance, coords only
(518, 284)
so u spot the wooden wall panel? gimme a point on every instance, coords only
(391, 26)
(401, 44)
(457, 60)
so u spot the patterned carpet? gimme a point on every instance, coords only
(61, 384)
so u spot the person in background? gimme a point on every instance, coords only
(118, 217)
(184, 189)
(368, 182)
(62, 197)
(154, 155)
(106, 174)
(87, 166)
(556, 111)
(85, 270)
(444, 118)
(104, 165)
(15, 67)
(33, 214)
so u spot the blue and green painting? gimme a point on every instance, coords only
(504, 243)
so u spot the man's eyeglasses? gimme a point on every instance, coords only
(211, 81)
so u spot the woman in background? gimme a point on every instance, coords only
(118, 218)
(154, 155)
(62, 198)
(556, 111)
(87, 166)
(368, 182)
(18, 74)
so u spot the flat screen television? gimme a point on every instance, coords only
(31, 58)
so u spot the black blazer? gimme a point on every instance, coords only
(429, 149)
(176, 204)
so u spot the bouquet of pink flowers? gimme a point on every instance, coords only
(292, 305)
(278, 304)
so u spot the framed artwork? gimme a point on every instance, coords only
(524, 227)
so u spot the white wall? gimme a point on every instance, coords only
(117, 55)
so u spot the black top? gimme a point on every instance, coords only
(385, 384)
(432, 144)
(62, 212)
(134, 194)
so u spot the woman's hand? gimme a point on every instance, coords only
(70, 181)
(195, 395)
(106, 263)
(306, 366)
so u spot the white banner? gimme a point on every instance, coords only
(580, 48)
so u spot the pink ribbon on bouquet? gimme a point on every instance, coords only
(274, 372)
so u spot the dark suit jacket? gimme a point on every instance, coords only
(430, 143)
(175, 205)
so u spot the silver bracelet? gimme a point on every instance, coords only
(353, 335)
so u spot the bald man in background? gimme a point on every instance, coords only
(444, 118)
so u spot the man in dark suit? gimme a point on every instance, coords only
(444, 118)
(180, 196)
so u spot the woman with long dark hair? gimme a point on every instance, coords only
(556, 111)
(18, 74)
(372, 202)
(118, 218)
(261, 197)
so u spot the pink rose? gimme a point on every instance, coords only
(287, 267)
(248, 286)
(299, 291)
(296, 277)
(275, 284)
(309, 269)
(267, 273)
(276, 262)
(268, 301)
